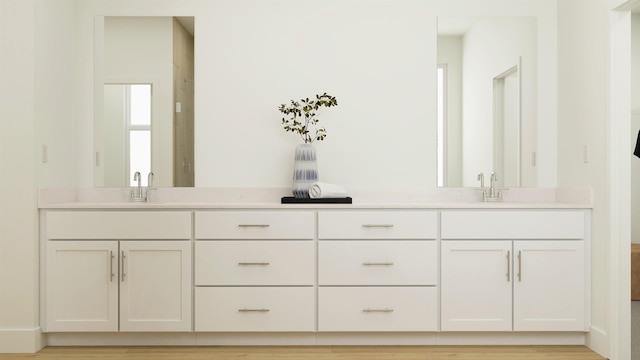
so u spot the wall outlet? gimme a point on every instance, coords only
(44, 155)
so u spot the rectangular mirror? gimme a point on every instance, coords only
(148, 58)
(486, 98)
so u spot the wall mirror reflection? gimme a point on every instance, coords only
(144, 100)
(127, 121)
(487, 85)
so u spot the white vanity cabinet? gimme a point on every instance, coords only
(377, 270)
(255, 271)
(514, 270)
(117, 271)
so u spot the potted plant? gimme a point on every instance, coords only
(302, 119)
(302, 116)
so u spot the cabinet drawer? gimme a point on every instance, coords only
(254, 309)
(254, 263)
(254, 225)
(377, 225)
(526, 224)
(377, 309)
(397, 262)
(114, 225)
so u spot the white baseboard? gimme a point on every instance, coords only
(21, 340)
(598, 341)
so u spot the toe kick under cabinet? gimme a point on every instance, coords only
(112, 271)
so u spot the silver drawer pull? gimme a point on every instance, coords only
(377, 310)
(253, 310)
(385, 263)
(111, 274)
(253, 225)
(377, 225)
(254, 263)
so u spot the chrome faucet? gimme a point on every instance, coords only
(494, 193)
(147, 196)
(137, 194)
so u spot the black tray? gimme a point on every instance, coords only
(294, 200)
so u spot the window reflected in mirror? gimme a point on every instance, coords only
(127, 118)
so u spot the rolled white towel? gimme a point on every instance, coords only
(320, 190)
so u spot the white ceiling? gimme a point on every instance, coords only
(455, 26)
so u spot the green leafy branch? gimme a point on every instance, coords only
(301, 115)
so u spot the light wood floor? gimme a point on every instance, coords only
(316, 353)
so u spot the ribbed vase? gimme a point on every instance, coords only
(305, 170)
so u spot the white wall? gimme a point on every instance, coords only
(18, 226)
(37, 102)
(635, 126)
(378, 60)
(583, 45)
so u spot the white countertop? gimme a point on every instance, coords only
(214, 198)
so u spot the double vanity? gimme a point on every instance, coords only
(259, 272)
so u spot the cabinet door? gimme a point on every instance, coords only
(82, 286)
(549, 286)
(155, 286)
(476, 285)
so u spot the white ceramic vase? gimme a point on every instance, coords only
(305, 170)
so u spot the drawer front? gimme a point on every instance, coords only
(254, 263)
(397, 262)
(114, 225)
(377, 309)
(525, 224)
(377, 224)
(254, 309)
(254, 225)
